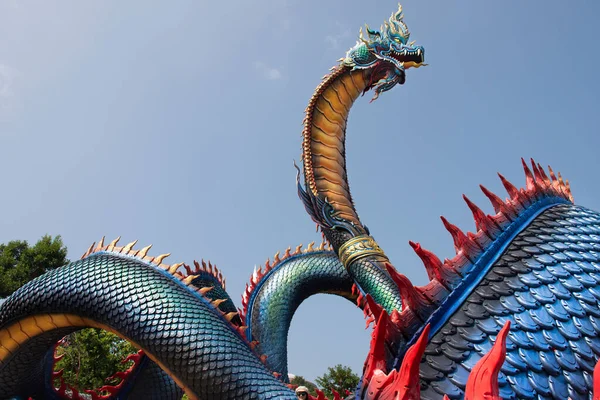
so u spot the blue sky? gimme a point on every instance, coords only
(176, 124)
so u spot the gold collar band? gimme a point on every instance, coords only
(359, 247)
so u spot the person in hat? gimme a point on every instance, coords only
(302, 393)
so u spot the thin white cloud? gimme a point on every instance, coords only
(268, 72)
(8, 76)
(7, 79)
(340, 38)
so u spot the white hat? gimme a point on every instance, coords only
(301, 389)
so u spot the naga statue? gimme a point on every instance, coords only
(514, 314)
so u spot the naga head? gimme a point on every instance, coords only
(388, 52)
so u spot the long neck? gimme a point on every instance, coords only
(323, 147)
(324, 159)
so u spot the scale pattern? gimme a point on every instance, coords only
(547, 283)
(274, 303)
(153, 383)
(152, 309)
(26, 367)
(375, 281)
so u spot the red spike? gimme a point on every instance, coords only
(432, 263)
(95, 395)
(376, 358)
(110, 389)
(369, 321)
(410, 296)
(376, 384)
(537, 175)
(135, 357)
(496, 201)
(483, 380)
(552, 176)
(529, 181)
(359, 299)
(512, 191)
(374, 308)
(395, 317)
(436, 270)
(320, 394)
(336, 395)
(75, 394)
(461, 241)
(597, 381)
(406, 384)
(543, 175)
(62, 389)
(482, 222)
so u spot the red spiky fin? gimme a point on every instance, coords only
(530, 183)
(408, 378)
(403, 384)
(462, 242)
(320, 396)
(373, 308)
(376, 358)
(411, 297)
(483, 222)
(432, 263)
(483, 380)
(596, 395)
(511, 189)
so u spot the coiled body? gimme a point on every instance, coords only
(175, 326)
(281, 292)
(514, 314)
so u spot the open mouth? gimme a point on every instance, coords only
(412, 56)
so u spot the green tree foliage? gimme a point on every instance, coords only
(91, 356)
(339, 378)
(20, 263)
(300, 381)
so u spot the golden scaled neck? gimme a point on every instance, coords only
(324, 135)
